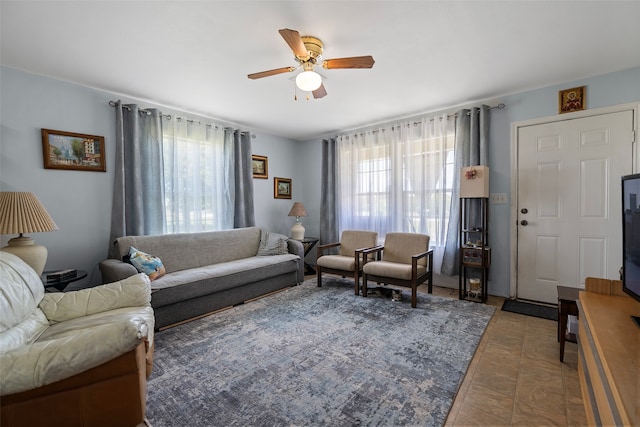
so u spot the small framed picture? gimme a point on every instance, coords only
(73, 151)
(281, 188)
(571, 99)
(260, 166)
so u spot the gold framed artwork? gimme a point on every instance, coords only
(571, 99)
(281, 188)
(73, 151)
(260, 166)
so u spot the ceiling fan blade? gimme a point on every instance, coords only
(270, 72)
(293, 39)
(351, 62)
(321, 92)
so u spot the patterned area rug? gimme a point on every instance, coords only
(316, 356)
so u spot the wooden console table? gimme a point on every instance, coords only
(609, 359)
(567, 305)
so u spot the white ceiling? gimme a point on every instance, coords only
(430, 55)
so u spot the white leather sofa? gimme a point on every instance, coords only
(74, 358)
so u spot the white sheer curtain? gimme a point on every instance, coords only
(398, 178)
(197, 162)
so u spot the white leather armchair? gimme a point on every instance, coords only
(73, 358)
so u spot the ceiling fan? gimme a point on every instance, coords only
(308, 53)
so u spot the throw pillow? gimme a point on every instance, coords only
(147, 264)
(272, 244)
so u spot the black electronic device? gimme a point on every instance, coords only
(631, 237)
(58, 276)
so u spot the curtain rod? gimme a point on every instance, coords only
(500, 106)
(168, 117)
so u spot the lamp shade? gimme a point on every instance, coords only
(22, 212)
(308, 81)
(298, 210)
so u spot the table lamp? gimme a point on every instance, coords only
(297, 231)
(22, 212)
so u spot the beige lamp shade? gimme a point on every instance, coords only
(297, 231)
(22, 212)
(298, 210)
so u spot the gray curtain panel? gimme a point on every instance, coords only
(138, 191)
(329, 226)
(243, 215)
(471, 148)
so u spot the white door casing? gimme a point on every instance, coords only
(566, 174)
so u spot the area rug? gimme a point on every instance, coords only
(316, 356)
(529, 309)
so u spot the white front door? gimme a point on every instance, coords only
(569, 202)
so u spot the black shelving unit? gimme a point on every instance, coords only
(475, 253)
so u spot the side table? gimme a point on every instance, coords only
(61, 284)
(308, 243)
(567, 305)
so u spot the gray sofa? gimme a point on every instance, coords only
(210, 270)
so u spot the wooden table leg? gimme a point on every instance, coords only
(562, 322)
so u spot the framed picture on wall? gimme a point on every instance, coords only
(571, 99)
(73, 151)
(260, 166)
(281, 188)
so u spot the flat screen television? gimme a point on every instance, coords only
(631, 237)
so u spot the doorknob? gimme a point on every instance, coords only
(524, 222)
(524, 210)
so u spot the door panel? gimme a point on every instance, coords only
(569, 186)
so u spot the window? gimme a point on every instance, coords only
(197, 197)
(398, 178)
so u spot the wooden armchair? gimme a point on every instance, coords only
(406, 261)
(349, 260)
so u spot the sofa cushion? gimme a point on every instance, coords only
(192, 250)
(20, 294)
(196, 282)
(146, 263)
(272, 244)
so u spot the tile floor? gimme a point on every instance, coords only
(516, 377)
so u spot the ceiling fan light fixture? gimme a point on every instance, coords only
(308, 81)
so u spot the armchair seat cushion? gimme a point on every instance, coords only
(391, 269)
(337, 262)
(62, 355)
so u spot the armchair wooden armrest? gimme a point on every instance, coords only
(321, 248)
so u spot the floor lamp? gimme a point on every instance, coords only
(22, 212)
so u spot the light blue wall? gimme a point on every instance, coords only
(611, 89)
(80, 202)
